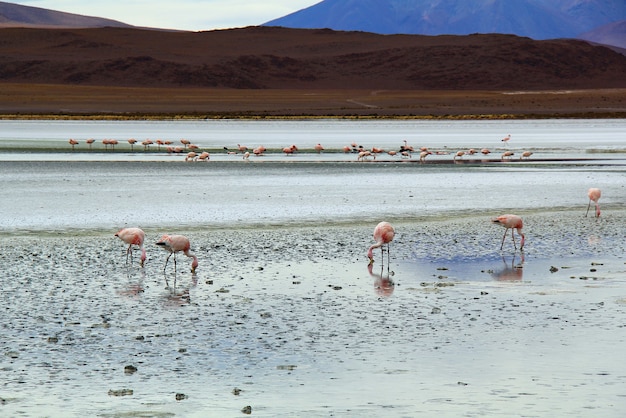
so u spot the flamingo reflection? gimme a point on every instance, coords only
(511, 272)
(383, 285)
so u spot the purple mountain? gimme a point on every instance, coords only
(537, 19)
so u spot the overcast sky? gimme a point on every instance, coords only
(178, 14)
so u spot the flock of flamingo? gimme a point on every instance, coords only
(192, 151)
(384, 232)
(383, 236)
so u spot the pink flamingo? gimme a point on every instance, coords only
(174, 244)
(90, 141)
(383, 234)
(319, 148)
(73, 142)
(507, 154)
(506, 139)
(594, 195)
(526, 154)
(133, 236)
(132, 142)
(511, 222)
(485, 151)
(290, 149)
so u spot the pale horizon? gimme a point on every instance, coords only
(192, 15)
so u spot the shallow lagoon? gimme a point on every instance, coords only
(283, 306)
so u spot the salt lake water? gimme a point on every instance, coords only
(284, 317)
(100, 189)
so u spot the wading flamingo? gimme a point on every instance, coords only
(511, 222)
(594, 195)
(506, 139)
(526, 154)
(383, 234)
(73, 142)
(133, 236)
(174, 244)
(319, 148)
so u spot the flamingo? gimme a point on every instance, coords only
(511, 222)
(132, 142)
(191, 156)
(174, 244)
(459, 155)
(423, 155)
(485, 151)
(363, 155)
(73, 142)
(133, 236)
(204, 156)
(319, 148)
(242, 148)
(526, 154)
(507, 154)
(185, 142)
(594, 195)
(383, 234)
(290, 150)
(506, 139)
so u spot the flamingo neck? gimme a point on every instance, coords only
(370, 252)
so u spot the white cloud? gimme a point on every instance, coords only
(179, 14)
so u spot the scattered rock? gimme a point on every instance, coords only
(553, 269)
(130, 369)
(236, 391)
(247, 410)
(53, 340)
(181, 397)
(120, 392)
(435, 310)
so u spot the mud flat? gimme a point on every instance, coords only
(97, 102)
(289, 321)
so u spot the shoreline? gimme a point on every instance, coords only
(79, 102)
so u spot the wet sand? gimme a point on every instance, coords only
(289, 321)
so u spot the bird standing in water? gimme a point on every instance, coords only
(174, 244)
(511, 222)
(133, 236)
(383, 234)
(594, 195)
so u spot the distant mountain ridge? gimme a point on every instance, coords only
(281, 58)
(536, 19)
(16, 15)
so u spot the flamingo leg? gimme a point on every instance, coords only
(503, 237)
(513, 238)
(166, 260)
(588, 206)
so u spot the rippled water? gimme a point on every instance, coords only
(283, 306)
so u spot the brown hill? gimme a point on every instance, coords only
(278, 71)
(262, 58)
